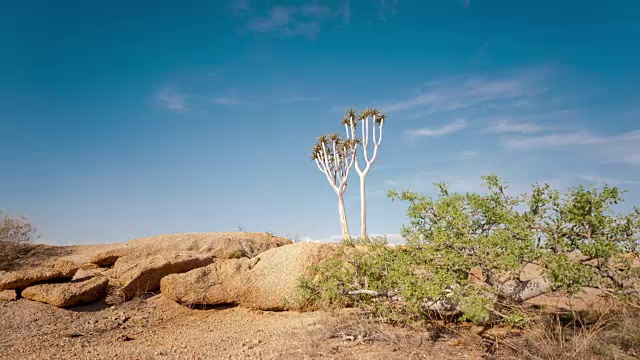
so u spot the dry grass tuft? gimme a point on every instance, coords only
(609, 331)
(352, 335)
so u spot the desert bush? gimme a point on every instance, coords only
(469, 256)
(16, 233)
(16, 229)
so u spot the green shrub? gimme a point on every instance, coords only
(575, 240)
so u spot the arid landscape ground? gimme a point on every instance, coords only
(151, 325)
(157, 328)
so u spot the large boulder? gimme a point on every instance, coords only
(68, 294)
(142, 263)
(20, 279)
(138, 275)
(270, 281)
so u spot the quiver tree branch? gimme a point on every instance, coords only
(334, 157)
(371, 122)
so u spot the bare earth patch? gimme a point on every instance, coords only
(157, 328)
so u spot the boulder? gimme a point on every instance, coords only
(144, 262)
(218, 283)
(20, 279)
(8, 295)
(68, 294)
(270, 281)
(109, 258)
(136, 275)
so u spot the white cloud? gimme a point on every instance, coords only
(292, 99)
(506, 126)
(460, 92)
(633, 159)
(172, 100)
(607, 180)
(422, 99)
(392, 239)
(387, 9)
(552, 140)
(456, 126)
(291, 21)
(622, 148)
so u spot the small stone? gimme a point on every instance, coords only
(125, 338)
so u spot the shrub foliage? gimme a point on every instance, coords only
(16, 229)
(479, 256)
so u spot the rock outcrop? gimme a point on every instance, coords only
(270, 281)
(70, 275)
(146, 261)
(68, 294)
(20, 279)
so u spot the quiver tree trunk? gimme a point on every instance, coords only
(363, 209)
(343, 219)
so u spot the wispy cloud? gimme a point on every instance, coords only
(624, 148)
(552, 140)
(462, 92)
(506, 126)
(607, 180)
(456, 126)
(295, 99)
(633, 159)
(387, 9)
(292, 21)
(392, 239)
(172, 100)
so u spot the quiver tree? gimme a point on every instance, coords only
(334, 157)
(371, 122)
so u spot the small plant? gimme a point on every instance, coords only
(239, 253)
(17, 229)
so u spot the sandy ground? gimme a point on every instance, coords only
(157, 328)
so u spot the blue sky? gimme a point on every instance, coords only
(122, 119)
